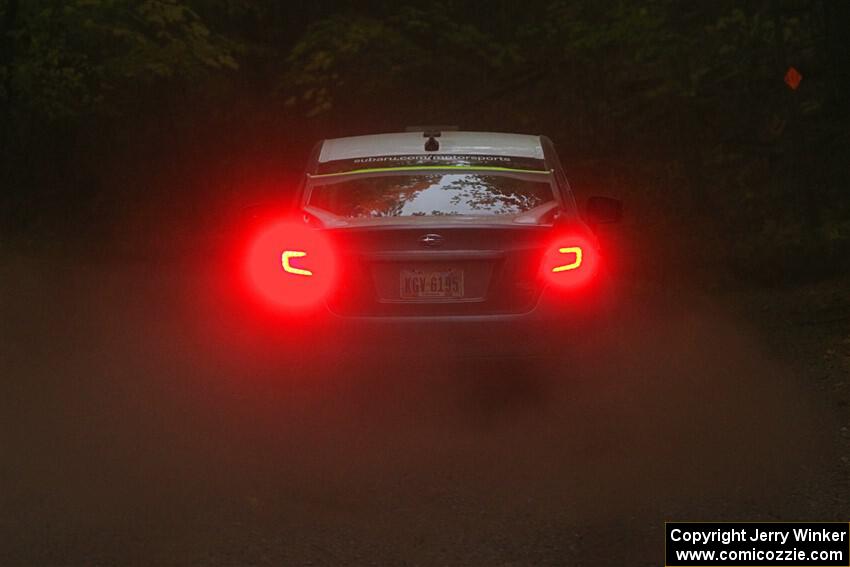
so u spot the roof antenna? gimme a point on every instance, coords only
(432, 145)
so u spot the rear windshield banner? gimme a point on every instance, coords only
(435, 160)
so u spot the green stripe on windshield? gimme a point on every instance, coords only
(431, 168)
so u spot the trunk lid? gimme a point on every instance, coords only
(436, 269)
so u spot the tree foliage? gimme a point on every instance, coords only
(67, 56)
(422, 50)
(679, 107)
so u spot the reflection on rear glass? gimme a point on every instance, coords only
(431, 194)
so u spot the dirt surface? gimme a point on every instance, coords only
(145, 422)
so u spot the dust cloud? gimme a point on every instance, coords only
(148, 420)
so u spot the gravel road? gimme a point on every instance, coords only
(146, 423)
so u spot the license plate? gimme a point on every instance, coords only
(421, 284)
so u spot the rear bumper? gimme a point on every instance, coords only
(558, 323)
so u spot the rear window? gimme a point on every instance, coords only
(431, 194)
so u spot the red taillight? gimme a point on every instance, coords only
(291, 265)
(569, 262)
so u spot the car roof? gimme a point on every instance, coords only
(451, 142)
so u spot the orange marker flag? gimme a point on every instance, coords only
(793, 78)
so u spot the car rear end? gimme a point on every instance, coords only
(507, 307)
(474, 248)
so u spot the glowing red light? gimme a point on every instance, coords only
(291, 265)
(569, 262)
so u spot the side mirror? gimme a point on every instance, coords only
(603, 210)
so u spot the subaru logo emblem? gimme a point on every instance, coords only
(431, 240)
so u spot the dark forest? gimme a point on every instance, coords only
(124, 119)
